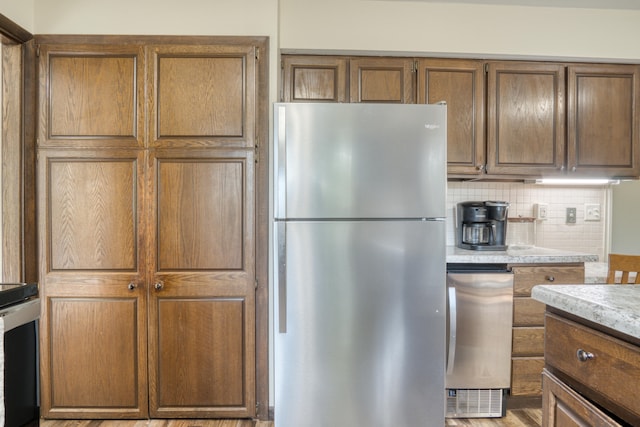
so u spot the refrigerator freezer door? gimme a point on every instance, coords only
(364, 306)
(360, 160)
(480, 342)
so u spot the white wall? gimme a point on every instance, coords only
(460, 29)
(19, 11)
(625, 232)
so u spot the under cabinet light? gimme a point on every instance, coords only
(577, 181)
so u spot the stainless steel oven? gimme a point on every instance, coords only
(19, 314)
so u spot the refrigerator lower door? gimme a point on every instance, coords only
(360, 324)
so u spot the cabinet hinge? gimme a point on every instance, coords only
(256, 284)
(38, 50)
(257, 54)
(414, 67)
(486, 68)
(256, 151)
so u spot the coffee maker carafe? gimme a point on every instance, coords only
(482, 225)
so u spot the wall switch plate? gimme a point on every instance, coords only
(541, 211)
(592, 212)
(571, 215)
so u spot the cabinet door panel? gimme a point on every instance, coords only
(202, 96)
(525, 118)
(205, 367)
(93, 363)
(603, 120)
(200, 214)
(93, 224)
(93, 96)
(83, 334)
(461, 84)
(202, 311)
(382, 80)
(314, 78)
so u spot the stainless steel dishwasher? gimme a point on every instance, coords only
(479, 321)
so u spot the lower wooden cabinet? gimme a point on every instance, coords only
(527, 356)
(563, 407)
(590, 376)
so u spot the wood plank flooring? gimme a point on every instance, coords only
(514, 418)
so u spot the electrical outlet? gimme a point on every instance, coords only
(571, 216)
(592, 212)
(541, 211)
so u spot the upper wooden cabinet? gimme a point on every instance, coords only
(525, 118)
(385, 80)
(314, 78)
(510, 119)
(603, 117)
(95, 95)
(344, 79)
(460, 83)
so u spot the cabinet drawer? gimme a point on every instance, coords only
(526, 278)
(613, 372)
(528, 312)
(526, 376)
(528, 341)
(562, 406)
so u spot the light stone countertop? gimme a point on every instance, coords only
(614, 306)
(517, 255)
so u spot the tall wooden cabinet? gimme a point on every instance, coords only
(148, 222)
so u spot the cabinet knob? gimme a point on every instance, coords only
(132, 285)
(480, 168)
(550, 278)
(583, 355)
(158, 285)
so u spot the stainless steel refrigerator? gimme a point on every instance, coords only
(360, 266)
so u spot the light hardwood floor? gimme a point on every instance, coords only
(514, 418)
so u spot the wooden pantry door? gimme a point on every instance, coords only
(94, 299)
(202, 301)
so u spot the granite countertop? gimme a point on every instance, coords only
(517, 255)
(614, 306)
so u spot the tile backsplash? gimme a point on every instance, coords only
(554, 232)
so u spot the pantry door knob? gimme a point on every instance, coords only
(158, 285)
(132, 285)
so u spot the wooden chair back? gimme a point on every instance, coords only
(628, 265)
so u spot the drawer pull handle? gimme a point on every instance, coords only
(550, 278)
(584, 356)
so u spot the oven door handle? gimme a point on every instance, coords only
(20, 314)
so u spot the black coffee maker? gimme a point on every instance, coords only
(482, 226)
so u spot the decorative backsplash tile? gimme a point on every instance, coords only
(583, 236)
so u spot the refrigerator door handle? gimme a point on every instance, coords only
(282, 276)
(453, 315)
(279, 155)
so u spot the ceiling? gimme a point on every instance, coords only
(585, 4)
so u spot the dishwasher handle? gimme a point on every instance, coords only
(453, 329)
